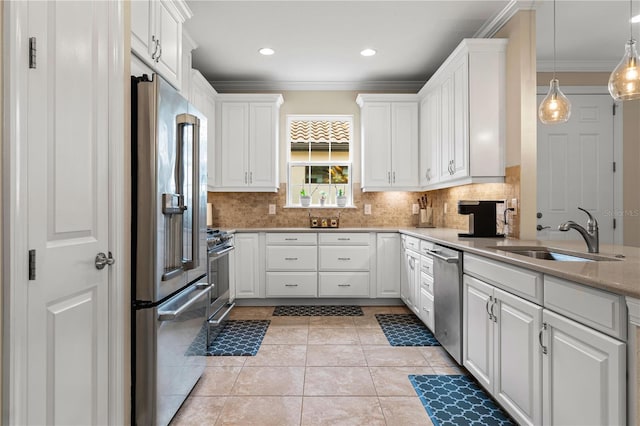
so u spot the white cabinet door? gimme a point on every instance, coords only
(202, 97)
(388, 265)
(518, 358)
(142, 27)
(446, 128)
(376, 145)
(248, 280)
(413, 281)
(583, 375)
(404, 268)
(477, 330)
(404, 138)
(234, 144)
(263, 146)
(459, 148)
(430, 137)
(169, 35)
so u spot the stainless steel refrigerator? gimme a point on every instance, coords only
(170, 290)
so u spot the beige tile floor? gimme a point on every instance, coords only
(315, 371)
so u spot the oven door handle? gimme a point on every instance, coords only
(171, 315)
(223, 316)
(217, 254)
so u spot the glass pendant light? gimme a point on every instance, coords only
(624, 82)
(555, 107)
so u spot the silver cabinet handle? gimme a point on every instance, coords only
(344, 258)
(250, 177)
(291, 239)
(486, 307)
(291, 285)
(389, 177)
(154, 40)
(102, 260)
(246, 180)
(344, 239)
(394, 177)
(495, 318)
(290, 258)
(540, 227)
(412, 263)
(544, 348)
(344, 285)
(159, 52)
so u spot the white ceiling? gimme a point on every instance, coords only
(317, 43)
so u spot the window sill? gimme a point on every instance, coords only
(318, 206)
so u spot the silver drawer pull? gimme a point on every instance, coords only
(291, 239)
(344, 258)
(291, 285)
(290, 258)
(344, 239)
(344, 285)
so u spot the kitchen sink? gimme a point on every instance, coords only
(547, 253)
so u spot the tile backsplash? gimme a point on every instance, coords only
(250, 209)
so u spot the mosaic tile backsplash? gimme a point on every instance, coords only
(250, 209)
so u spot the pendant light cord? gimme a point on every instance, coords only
(554, 39)
(630, 18)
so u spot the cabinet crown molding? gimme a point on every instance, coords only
(251, 97)
(385, 97)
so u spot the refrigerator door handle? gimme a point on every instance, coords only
(194, 122)
(170, 315)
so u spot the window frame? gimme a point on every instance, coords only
(291, 164)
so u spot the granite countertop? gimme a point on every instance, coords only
(618, 276)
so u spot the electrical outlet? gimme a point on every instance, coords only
(514, 205)
(272, 209)
(415, 209)
(445, 208)
(367, 209)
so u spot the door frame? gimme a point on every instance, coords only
(15, 220)
(618, 142)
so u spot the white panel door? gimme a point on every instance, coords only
(404, 151)
(388, 270)
(477, 330)
(234, 144)
(68, 193)
(142, 25)
(169, 56)
(263, 147)
(247, 269)
(376, 145)
(460, 138)
(575, 169)
(430, 138)
(518, 358)
(583, 374)
(446, 129)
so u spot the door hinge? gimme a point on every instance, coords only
(614, 108)
(614, 167)
(32, 265)
(32, 52)
(614, 223)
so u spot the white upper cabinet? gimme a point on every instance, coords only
(203, 97)
(156, 35)
(389, 142)
(464, 138)
(246, 149)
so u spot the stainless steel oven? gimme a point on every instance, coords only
(220, 244)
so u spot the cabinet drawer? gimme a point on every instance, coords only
(292, 284)
(426, 308)
(594, 308)
(310, 238)
(426, 246)
(411, 243)
(521, 282)
(351, 239)
(426, 282)
(336, 284)
(426, 265)
(291, 258)
(345, 258)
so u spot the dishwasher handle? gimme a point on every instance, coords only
(437, 255)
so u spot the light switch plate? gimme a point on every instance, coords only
(272, 209)
(367, 209)
(415, 208)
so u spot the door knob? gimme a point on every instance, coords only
(102, 260)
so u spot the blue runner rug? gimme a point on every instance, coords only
(236, 338)
(317, 311)
(458, 400)
(406, 330)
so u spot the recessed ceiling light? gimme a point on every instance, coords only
(635, 19)
(267, 51)
(368, 52)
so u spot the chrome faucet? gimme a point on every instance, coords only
(590, 234)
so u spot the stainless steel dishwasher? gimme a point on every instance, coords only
(447, 299)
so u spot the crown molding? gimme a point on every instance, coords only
(576, 66)
(496, 22)
(263, 86)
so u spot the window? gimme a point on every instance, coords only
(319, 158)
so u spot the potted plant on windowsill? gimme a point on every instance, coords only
(305, 200)
(341, 199)
(323, 197)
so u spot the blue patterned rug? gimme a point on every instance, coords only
(317, 311)
(236, 338)
(458, 400)
(406, 330)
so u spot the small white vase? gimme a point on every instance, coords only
(341, 201)
(305, 201)
(322, 201)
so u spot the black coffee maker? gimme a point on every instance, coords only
(482, 222)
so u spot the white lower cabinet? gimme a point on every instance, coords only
(410, 281)
(501, 347)
(583, 374)
(343, 284)
(388, 264)
(291, 284)
(248, 270)
(427, 314)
